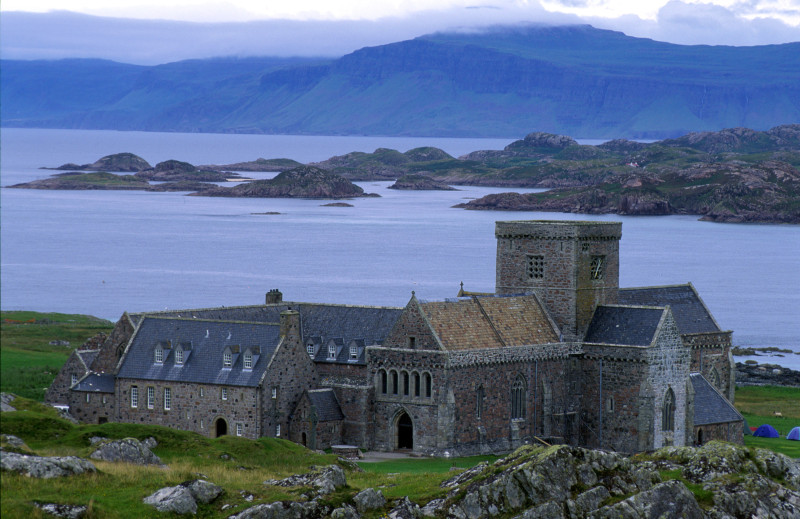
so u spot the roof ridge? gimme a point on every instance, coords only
(206, 320)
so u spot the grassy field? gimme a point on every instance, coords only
(758, 405)
(28, 362)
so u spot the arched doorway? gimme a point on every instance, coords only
(220, 427)
(405, 432)
(304, 439)
(700, 437)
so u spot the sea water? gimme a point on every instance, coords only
(105, 252)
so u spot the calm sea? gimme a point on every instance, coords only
(106, 252)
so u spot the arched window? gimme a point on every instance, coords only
(668, 412)
(384, 382)
(479, 402)
(714, 378)
(428, 385)
(416, 384)
(406, 387)
(394, 382)
(518, 398)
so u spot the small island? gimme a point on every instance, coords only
(420, 183)
(301, 182)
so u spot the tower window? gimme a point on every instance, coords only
(597, 267)
(535, 268)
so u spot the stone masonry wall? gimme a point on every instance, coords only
(114, 346)
(668, 368)
(555, 259)
(308, 431)
(59, 392)
(711, 356)
(91, 407)
(411, 324)
(729, 432)
(194, 407)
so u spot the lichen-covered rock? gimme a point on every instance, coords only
(345, 512)
(667, 500)
(405, 509)
(549, 510)
(177, 499)
(284, 510)
(324, 480)
(202, 491)
(128, 450)
(12, 440)
(369, 499)
(753, 495)
(432, 508)
(44, 467)
(65, 511)
(5, 402)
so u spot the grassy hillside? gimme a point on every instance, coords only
(28, 362)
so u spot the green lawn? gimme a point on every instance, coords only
(758, 405)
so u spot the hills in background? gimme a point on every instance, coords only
(574, 80)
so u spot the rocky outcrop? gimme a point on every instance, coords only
(176, 170)
(766, 375)
(369, 499)
(257, 165)
(5, 402)
(183, 499)
(124, 162)
(302, 182)
(127, 450)
(87, 181)
(419, 183)
(44, 467)
(65, 511)
(325, 480)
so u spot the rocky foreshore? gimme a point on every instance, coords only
(753, 374)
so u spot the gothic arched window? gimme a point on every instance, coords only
(518, 398)
(668, 412)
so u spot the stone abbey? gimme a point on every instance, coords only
(558, 354)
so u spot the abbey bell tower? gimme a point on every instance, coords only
(572, 265)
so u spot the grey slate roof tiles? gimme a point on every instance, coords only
(320, 323)
(96, 383)
(691, 314)
(624, 325)
(204, 362)
(710, 407)
(326, 405)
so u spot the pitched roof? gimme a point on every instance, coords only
(691, 314)
(96, 383)
(204, 343)
(326, 405)
(710, 406)
(87, 356)
(319, 322)
(624, 325)
(490, 322)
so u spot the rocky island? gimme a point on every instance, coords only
(122, 162)
(301, 182)
(419, 183)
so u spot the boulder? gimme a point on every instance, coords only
(325, 480)
(5, 402)
(66, 511)
(128, 450)
(202, 491)
(405, 509)
(284, 510)
(177, 499)
(12, 440)
(345, 512)
(44, 467)
(369, 499)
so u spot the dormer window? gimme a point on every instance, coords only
(310, 349)
(353, 352)
(227, 358)
(179, 355)
(248, 359)
(331, 351)
(159, 356)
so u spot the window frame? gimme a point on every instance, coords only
(167, 398)
(151, 397)
(135, 397)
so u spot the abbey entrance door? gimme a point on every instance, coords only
(405, 432)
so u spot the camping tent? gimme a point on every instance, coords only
(794, 434)
(767, 431)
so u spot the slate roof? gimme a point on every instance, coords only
(326, 405)
(691, 314)
(204, 343)
(96, 383)
(490, 322)
(320, 323)
(710, 406)
(624, 325)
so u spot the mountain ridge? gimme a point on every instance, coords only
(573, 80)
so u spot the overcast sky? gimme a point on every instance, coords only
(148, 32)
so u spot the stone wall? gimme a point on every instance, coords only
(74, 368)
(410, 324)
(711, 356)
(194, 407)
(729, 432)
(573, 266)
(91, 407)
(307, 430)
(114, 346)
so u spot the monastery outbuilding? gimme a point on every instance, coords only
(558, 354)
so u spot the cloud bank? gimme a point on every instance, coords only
(61, 34)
